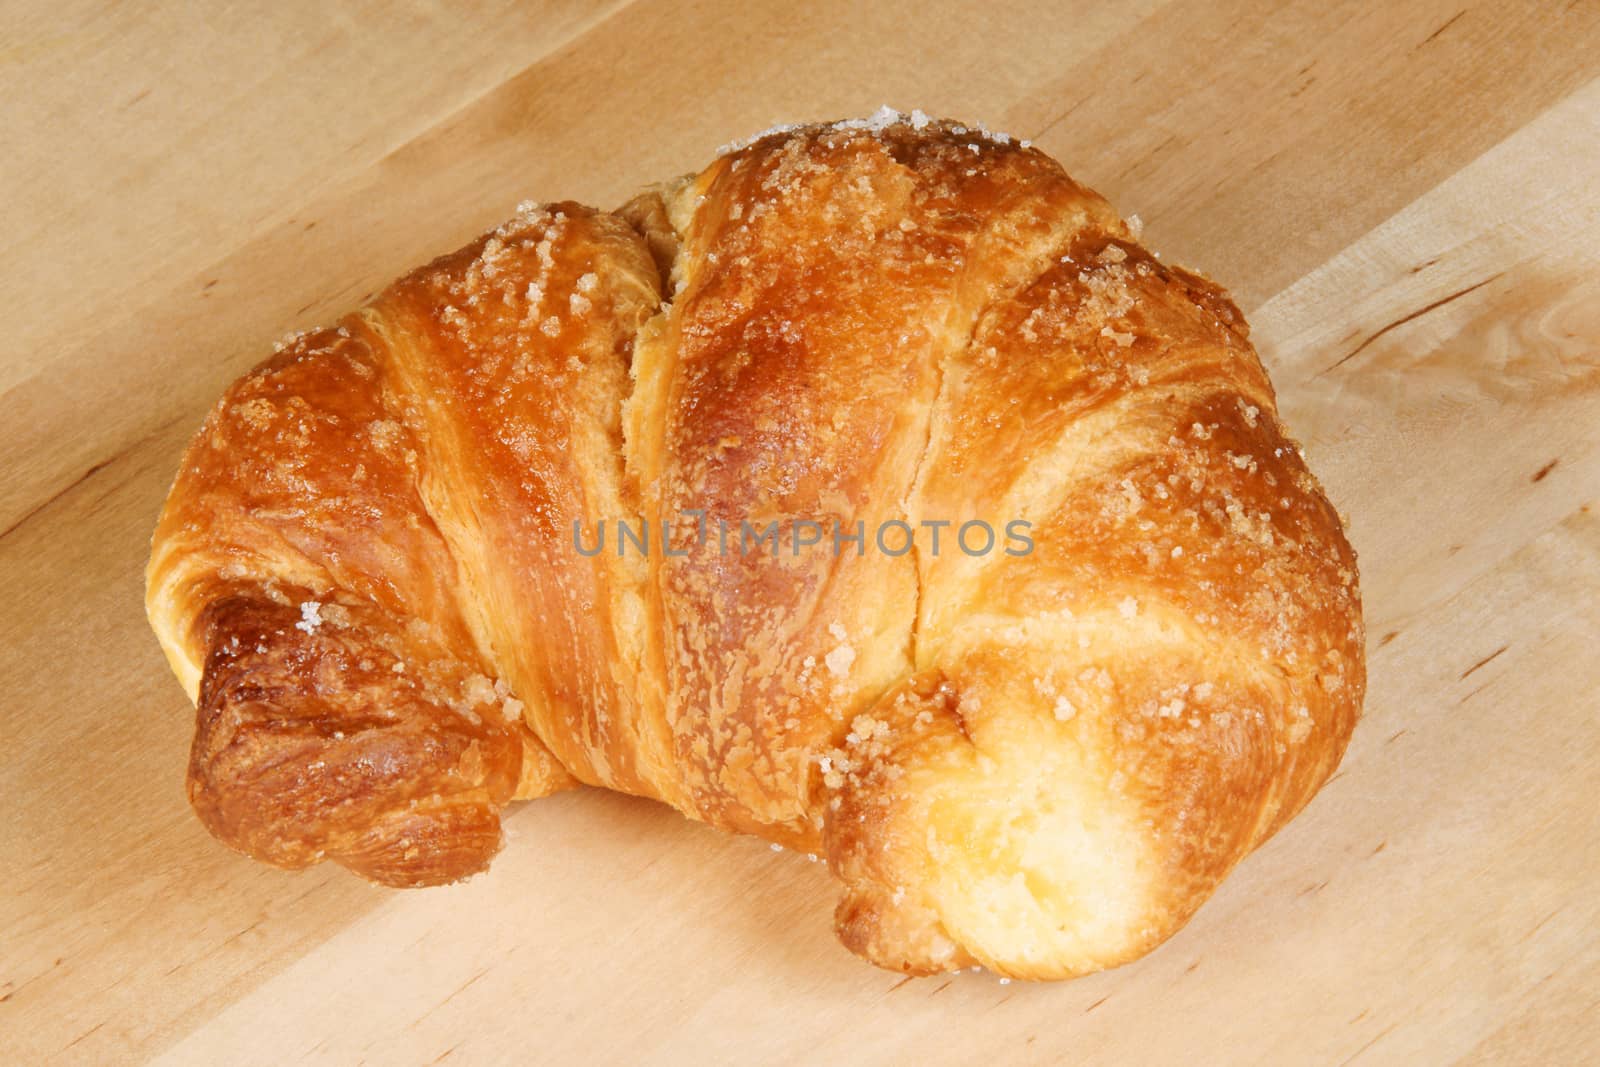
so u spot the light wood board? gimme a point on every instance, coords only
(1405, 198)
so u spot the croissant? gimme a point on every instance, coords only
(872, 491)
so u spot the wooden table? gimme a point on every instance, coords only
(1404, 197)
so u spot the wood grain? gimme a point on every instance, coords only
(1402, 197)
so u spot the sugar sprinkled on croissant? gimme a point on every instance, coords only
(377, 576)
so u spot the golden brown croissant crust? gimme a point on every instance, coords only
(375, 573)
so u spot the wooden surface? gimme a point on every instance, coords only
(1405, 199)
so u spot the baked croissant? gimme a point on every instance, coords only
(394, 577)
